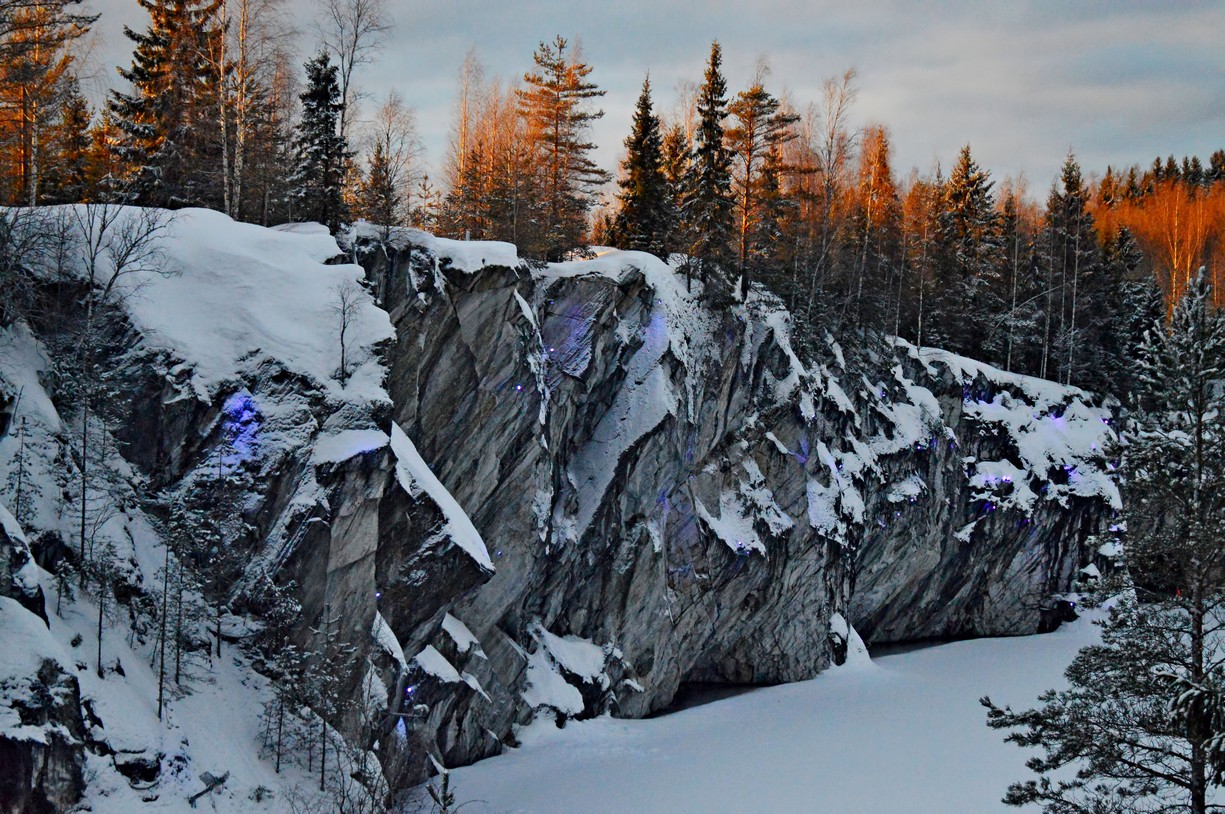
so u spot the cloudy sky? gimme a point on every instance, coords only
(1021, 81)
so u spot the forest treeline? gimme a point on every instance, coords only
(215, 110)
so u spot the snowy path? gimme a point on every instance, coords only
(903, 735)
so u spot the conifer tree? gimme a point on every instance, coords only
(322, 154)
(968, 291)
(708, 205)
(761, 127)
(166, 120)
(72, 175)
(1074, 276)
(646, 219)
(875, 222)
(1141, 723)
(36, 76)
(557, 118)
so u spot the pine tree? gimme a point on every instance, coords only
(762, 126)
(36, 61)
(1142, 721)
(166, 121)
(708, 205)
(873, 236)
(646, 219)
(557, 118)
(322, 153)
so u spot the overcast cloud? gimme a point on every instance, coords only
(1022, 82)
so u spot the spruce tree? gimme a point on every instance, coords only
(72, 176)
(322, 154)
(378, 199)
(1142, 723)
(708, 202)
(646, 219)
(968, 291)
(1074, 327)
(165, 122)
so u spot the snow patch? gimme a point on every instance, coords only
(436, 664)
(415, 476)
(341, 446)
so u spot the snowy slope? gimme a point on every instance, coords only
(242, 305)
(242, 293)
(902, 735)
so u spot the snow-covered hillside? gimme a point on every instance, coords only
(232, 371)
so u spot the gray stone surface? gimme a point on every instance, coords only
(647, 578)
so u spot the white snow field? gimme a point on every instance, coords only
(904, 734)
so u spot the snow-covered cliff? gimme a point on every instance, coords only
(541, 491)
(671, 494)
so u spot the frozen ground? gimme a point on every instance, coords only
(903, 735)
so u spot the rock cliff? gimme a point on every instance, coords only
(554, 491)
(670, 494)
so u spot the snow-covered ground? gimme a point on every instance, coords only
(902, 735)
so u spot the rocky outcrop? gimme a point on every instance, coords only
(582, 487)
(18, 577)
(42, 743)
(669, 494)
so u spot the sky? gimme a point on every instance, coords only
(1022, 82)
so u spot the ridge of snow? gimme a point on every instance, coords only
(385, 638)
(464, 639)
(347, 444)
(436, 664)
(414, 475)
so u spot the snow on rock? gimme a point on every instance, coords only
(341, 446)
(908, 489)
(27, 644)
(577, 655)
(415, 477)
(463, 255)
(385, 639)
(10, 525)
(777, 321)
(856, 651)
(733, 525)
(545, 686)
(639, 407)
(239, 293)
(1059, 436)
(464, 639)
(436, 664)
